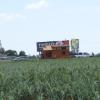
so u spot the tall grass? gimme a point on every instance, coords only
(63, 79)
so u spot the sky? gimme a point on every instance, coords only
(25, 22)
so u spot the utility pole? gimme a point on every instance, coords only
(0, 45)
(1, 48)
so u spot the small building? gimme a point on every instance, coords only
(54, 49)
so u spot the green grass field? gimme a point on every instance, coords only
(62, 79)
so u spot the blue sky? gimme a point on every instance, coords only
(25, 22)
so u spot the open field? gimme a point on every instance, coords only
(62, 79)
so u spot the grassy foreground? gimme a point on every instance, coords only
(62, 79)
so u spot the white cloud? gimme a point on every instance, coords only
(37, 5)
(6, 17)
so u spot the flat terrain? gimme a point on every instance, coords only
(61, 79)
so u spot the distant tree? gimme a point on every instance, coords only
(97, 55)
(92, 54)
(22, 53)
(33, 56)
(11, 53)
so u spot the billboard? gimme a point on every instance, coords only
(75, 45)
(40, 45)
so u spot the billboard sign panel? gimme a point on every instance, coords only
(40, 45)
(75, 45)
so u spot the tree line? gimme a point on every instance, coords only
(12, 52)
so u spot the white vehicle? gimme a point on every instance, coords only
(22, 58)
(82, 54)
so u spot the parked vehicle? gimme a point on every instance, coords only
(82, 54)
(21, 58)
